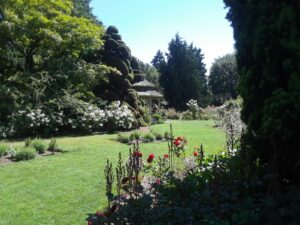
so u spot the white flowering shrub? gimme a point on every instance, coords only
(194, 112)
(77, 116)
(192, 105)
(229, 118)
(29, 121)
(119, 117)
(93, 118)
(5, 131)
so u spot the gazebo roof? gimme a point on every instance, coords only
(149, 94)
(143, 83)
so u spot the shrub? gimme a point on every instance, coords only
(147, 118)
(187, 115)
(4, 149)
(119, 117)
(25, 153)
(135, 135)
(148, 138)
(157, 119)
(27, 142)
(39, 146)
(53, 146)
(122, 138)
(158, 136)
(171, 114)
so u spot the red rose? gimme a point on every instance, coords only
(176, 142)
(150, 158)
(166, 156)
(137, 154)
(196, 153)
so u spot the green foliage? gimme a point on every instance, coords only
(117, 54)
(148, 137)
(158, 136)
(27, 142)
(157, 119)
(135, 135)
(268, 45)
(25, 153)
(42, 51)
(82, 9)
(171, 114)
(223, 79)
(39, 146)
(183, 75)
(53, 146)
(123, 138)
(4, 149)
(150, 72)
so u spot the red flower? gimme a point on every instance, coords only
(157, 181)
(150, 158)
(176, 142)
(196, 153)
(113, 208)
(166, 156)
(137, 154)
(90, 223)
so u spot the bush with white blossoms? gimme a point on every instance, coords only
(93, 118)
(119, 116)
(229, 117)
(192, 105)
(29, 120)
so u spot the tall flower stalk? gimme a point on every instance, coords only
(109, 176)
(120, 172)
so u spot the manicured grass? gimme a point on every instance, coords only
(64, 188)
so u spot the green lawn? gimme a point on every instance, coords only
(62, 189)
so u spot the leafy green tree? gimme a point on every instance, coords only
(151, 73)
(267, 40)
(82, 9)
(183, 76)
(41, 49)
(223, 79)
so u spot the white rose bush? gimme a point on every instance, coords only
(87, 118)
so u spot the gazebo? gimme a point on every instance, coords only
(147, 93)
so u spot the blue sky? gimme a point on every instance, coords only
(149, 25)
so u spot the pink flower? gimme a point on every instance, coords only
(157, 181)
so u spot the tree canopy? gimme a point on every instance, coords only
(183, 74)
(41, 54)
(267, 41)
(223, 79)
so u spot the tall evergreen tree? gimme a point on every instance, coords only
(158, 60)
(268, 45)
(183, 76)
(223, 79)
